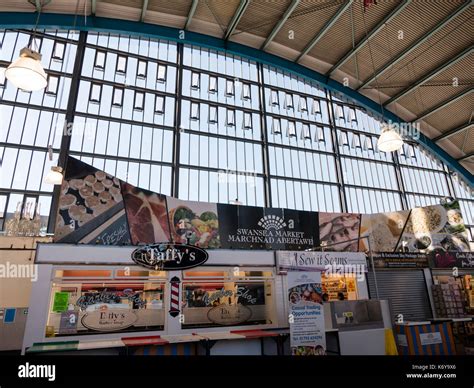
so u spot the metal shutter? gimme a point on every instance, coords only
(405, 290)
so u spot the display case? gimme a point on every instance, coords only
(93, 301)
(216, 297)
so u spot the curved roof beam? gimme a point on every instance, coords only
(467, 156)
(325, 29)
(236, 18)
(22, 20)
(415, 45)
(280, 23)
(191, 13)
(433, 73)
(444, 104)
(452, 132)
(396, 11)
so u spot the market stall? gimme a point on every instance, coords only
(109, 297)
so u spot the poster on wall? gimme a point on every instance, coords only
(248, 227)
(147, 215)
(307, 330)
(339, 231)
(90, 208)
(194, 223)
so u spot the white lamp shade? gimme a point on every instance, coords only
(54, 176)
(390, 141)
(26, 72)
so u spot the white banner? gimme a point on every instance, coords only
(307, 331)
(343, 262)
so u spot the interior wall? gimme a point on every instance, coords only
(16, 274)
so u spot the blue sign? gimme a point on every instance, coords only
(9, 316)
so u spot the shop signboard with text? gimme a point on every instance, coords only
(321, 261)
(247, 227)
(432, 259)
(168, 257)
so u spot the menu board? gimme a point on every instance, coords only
(307, 330)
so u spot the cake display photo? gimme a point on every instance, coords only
(90, 207)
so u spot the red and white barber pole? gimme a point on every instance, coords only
(174, 302)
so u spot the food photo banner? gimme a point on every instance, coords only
(97, 208)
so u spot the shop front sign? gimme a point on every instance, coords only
(228, 315)
(400, 260)
(343, 262)
(109, 319)
(435, 259)
(169, 257)
(109, 297)
(460, 260)
(241, 293)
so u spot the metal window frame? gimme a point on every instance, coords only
(266, 175)
(100, 92)
(120, 104)
(96, 54)
(94, 23)
(120, 71)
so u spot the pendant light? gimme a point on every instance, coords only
(27, 73)
(390, 140)
(55, 175)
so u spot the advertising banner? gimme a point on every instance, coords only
(194, 223)
(431, 229)
(147, 215)
(98, 208)
(340, 231)
(307, 330)
(247, 227)
(91, 209)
